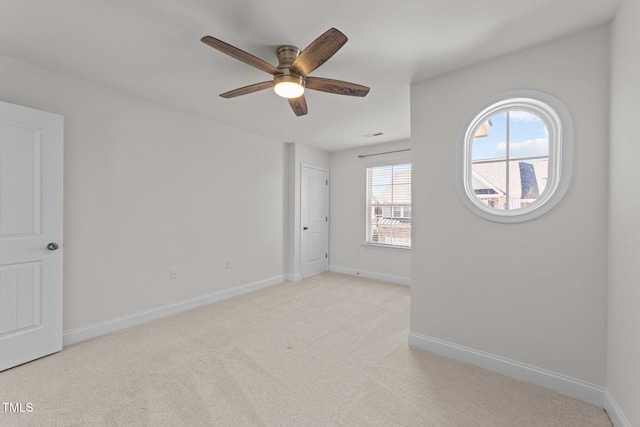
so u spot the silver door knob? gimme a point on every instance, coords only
(52, 246)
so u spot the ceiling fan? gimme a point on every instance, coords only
(291, 76)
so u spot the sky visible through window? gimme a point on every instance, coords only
(529, 137)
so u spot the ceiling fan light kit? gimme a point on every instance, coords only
(289, 88)
(290, 76)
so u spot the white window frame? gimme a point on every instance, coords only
(558, 120)
(404, 161)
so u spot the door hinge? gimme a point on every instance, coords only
(326, 219)
(326, 255)
(327, 181)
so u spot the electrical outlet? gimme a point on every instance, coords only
(228, 265)
(173, 273)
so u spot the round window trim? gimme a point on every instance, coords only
(558, 120)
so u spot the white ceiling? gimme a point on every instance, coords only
(152, 49)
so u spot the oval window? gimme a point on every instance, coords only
(516, 156)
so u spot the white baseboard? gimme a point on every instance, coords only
(293, 277)
(399, 280)
(615, 413)
(564, 385)
(81, 334)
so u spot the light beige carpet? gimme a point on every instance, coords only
(329, 350)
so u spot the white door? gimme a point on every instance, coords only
(314, 213)
(30, 234)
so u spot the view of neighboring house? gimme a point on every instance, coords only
(526, 177)
(389, 205)
(510, 165)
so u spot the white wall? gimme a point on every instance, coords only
(347, 204)
(298, 154)
(148, 188)
(532, 292)
(623, 357)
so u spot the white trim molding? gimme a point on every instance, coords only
(82, 334)
(293, 277)
(398, 280)
(562, 384)
(613, 410)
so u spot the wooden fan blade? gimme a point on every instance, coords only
(318, 52)
(299, 105)
(247, 89)
(240, 55)
(335, 86)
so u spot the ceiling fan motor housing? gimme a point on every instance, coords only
(286, 55)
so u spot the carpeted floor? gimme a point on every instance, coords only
(329, 350)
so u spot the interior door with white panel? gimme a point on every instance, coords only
(314, 214)
(31, 158)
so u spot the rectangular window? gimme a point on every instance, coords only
(388, 219)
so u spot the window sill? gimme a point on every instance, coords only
(392, 247)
